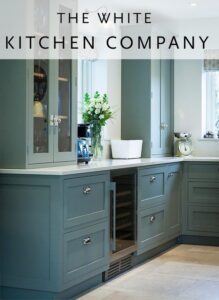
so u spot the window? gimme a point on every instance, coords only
(211, 93)
(212, 101)
(84, 84)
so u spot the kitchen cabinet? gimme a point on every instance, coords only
(152, 228)
(174, 208)
(50, 241)
(159, 205)
(201, 200)
(147, 104)
(38, 103)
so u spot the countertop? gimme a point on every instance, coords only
(106, 165)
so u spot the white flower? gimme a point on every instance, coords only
(97, 111)
(105, 107)
(98, 106)
(101, 117)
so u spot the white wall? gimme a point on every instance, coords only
(188, 105)
(106, 78)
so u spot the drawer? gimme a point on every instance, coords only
(85, 199)
(203, 219)
(152, 227)
(151, 187)
(204, 192)
(85, 251)
(203, 171)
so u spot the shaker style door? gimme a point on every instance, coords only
(65, 123)
(40, 135)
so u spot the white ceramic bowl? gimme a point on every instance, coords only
(126, 149)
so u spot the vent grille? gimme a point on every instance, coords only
(118, 267)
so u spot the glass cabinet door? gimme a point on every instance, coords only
(66, 121)
(40, 107)
(40, 140)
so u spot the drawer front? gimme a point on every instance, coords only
(151, 187)
(152, 227)
(204, 171)
(85, 199)
(85, 251)
(203, 219)
(204, 193)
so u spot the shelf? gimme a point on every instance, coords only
(41, 76)
(125, 193)
(39, 117)
(125, 204)
(123, 215)
(63, 79)
(63, 117)
(125, 236)
(123, 226)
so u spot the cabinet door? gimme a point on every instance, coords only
(151, 226)
(173, 201)
(40, 107)
(166, 106)
(161, 110)
(65, 111)
(156, 107)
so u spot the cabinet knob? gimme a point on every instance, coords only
(152, 219)
(57, 120)
(153, 178)
(170, 175)
(87, 241)
(164, 126)
(86, 190)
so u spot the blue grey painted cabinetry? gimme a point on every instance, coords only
(54, 230)
(201, 199)
(38, 112)
(159, 205)
(147, 104)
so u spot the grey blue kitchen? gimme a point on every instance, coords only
(104, 166)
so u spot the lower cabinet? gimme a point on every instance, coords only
(152, 227)
(159, 205)
(85, 251)
(203, 220)
(50, 240)
(201, 199)
(173, 204)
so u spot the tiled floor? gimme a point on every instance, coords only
(183, 273)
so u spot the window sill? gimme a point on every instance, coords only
(209, 140)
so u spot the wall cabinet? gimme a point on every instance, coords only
(147, 104)
(44, 246)
(201, 199)
(38, 103)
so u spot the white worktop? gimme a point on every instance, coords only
(106, 165)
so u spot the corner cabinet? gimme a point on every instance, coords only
(147, 104)
(38, 101)
(201, 199)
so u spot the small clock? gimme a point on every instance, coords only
(184, 148)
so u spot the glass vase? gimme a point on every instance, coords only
(96, 141)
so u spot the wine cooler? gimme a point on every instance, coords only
(123, 213)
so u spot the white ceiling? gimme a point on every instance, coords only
(164, 9)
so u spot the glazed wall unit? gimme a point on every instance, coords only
(147, 104)
(38, 106)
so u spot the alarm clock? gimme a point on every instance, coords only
(183, 144)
